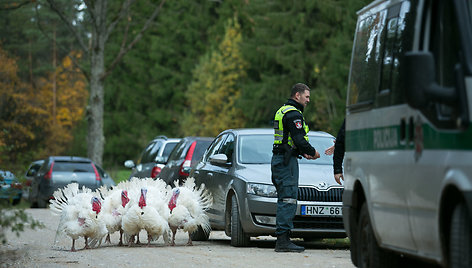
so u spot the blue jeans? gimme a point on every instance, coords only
(285, 180)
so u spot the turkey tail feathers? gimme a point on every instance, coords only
(206, 199)
(62, 197)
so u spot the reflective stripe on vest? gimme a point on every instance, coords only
(279, 128)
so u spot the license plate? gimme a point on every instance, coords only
(321, 211)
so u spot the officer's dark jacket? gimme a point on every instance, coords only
(297, 134)
(339, 149)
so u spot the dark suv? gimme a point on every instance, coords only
(153, 158)
(58, 171)
(184, 156)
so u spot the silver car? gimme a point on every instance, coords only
(236, 170)
(58, 171)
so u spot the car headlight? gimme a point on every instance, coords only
(265, 190)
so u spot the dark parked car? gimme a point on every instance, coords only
(153, 158)
(10, 187)
(30, 173)
(58, 171)
(236, 170)
(185, 155)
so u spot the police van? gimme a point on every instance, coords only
(408, 162)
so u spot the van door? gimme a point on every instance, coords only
(376, 122)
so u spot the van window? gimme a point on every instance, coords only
(365, 66)
(395, 42)
(403, 43)
(445, 46)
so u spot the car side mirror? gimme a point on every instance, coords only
(219, 159)
(420, 86)
(129, 164)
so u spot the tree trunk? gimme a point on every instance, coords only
(54, 82)
(95, 137)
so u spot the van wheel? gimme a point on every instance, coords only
(369, 254)
(200, 234)
(238, 237)
(460, 238)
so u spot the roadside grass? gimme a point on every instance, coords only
(337, 242)
(119, 174)
(333, 243)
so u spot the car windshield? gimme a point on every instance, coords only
(257, 149)
(73, 166)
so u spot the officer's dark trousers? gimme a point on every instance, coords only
(285, 180)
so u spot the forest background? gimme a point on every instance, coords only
(201, 67)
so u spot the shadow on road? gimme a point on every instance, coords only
(270, 243)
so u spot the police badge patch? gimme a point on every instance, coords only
(298, 123)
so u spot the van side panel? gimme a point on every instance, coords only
(374, 147)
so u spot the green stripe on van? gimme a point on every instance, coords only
(388, 138)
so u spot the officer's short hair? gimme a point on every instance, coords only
(299, 87)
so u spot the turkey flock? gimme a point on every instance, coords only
(130, 207)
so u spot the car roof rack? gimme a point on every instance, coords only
(161, 137)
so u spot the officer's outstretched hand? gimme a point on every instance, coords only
(330, 150)
(310, 157)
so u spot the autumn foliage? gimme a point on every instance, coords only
(28, 129)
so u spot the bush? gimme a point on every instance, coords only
(16, 220)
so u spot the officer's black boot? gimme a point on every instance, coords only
(284, 244)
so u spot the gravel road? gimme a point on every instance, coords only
(35, 248)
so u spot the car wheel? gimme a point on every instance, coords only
(369, 253)
(238, 237)
(33, 202)
(460, 239)
(200, 235)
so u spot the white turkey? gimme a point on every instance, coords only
(80, 214)
(146, 210)
(113, 209)
(188, 204)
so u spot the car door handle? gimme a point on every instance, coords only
(210, 174)
(197, 172)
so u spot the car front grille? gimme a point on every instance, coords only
(313, 194)
(301, 222)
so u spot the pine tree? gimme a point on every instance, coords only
(214, 92)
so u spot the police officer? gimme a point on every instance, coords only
(290, 142)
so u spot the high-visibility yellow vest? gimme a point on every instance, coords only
(279, 127)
